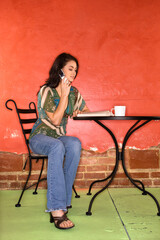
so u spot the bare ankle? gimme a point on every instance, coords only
(57, 213)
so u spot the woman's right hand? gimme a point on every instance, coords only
(65, 87)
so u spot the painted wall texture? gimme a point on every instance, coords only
(118, 47)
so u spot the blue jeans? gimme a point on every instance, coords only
(63, 159)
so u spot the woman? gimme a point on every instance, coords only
(57, 100)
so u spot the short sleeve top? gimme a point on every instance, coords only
(48, 100)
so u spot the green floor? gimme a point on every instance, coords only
(117, 214)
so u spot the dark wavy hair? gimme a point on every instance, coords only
(60, 61)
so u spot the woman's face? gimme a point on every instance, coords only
(70, 70)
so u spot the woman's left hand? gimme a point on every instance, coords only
(85, 109)
(76, 112)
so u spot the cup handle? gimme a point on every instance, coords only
(112, 110)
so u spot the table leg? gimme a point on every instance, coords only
(134, 181)
(101, 180)
(111, 176)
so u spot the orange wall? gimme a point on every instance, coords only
(118, 46)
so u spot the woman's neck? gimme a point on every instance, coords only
(58, 89)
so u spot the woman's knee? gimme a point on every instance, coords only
(57, 146)
(76, 143)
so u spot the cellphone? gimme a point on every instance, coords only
(61, 74)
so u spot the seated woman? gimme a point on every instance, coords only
(57, 100)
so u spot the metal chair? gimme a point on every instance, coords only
(31, 114)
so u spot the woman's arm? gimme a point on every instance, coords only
(85, 109)
(56, 117)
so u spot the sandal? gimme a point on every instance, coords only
(67, 209)
(59, 221)
(69, 206)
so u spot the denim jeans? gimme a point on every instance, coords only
(63, 159)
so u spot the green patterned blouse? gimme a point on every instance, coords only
(48, 100)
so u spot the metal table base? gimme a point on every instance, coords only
(120, 155)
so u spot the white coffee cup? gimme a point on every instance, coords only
(119, 110)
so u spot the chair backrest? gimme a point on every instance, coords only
(27, 117)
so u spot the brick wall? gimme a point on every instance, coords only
(141, 164)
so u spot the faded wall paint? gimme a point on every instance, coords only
(118, 47)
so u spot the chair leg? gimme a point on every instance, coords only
(24, 188)
(35, 191)
(76, 195)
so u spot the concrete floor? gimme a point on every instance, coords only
(117, 214)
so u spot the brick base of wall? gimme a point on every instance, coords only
(143, 165)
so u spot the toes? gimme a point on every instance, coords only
(66, 224)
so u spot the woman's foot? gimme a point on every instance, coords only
(60, 220)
